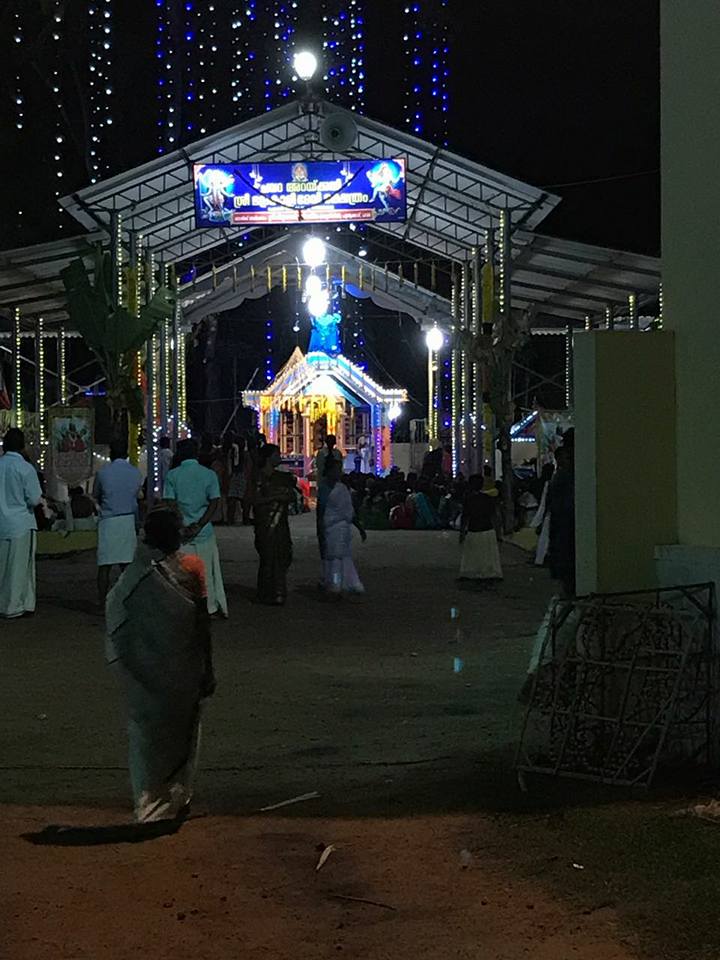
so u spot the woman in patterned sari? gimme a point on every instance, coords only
(158, 633)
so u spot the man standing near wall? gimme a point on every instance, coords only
(20, 493)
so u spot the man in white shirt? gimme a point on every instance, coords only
(20, 493)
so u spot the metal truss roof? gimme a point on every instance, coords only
(30, 277)
(562, 278)
(565, 282)
(451, 200)
(246, 278)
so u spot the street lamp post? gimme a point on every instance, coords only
(434, 341)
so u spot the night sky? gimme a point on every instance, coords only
(562, 94)
(553, 93)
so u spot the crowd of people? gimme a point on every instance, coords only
(158, 612)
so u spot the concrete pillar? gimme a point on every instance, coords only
(690, 84)
(624, 457)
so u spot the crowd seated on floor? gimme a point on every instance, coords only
(400, 502)
(429, 501)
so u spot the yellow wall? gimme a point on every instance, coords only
(690, 83)
(625, 489)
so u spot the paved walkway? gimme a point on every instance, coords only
(400, 717)
(375, 703)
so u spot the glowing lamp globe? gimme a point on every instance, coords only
(318, 304)
(314, 252)
(313, 285)
(434, 339)
(394, 411)
(305, 64)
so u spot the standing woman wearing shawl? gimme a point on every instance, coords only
(338, 518)
(541, 521)
(274, 492)
(480, 558)
(158, 633)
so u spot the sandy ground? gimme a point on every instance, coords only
(401, 717)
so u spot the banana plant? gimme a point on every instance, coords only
(113, 333)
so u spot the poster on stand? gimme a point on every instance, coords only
(70, 431)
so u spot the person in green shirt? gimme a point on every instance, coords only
(196, 492)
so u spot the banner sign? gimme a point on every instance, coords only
(316, 191)
(71, 443)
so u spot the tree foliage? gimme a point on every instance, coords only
(113, 333)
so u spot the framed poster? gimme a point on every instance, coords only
(71, 433)
(313, 191)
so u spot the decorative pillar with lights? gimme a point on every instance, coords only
(182, 381)
(175, 351)
(17, 372)
(40, 386)
(569, 366)
(633, 311)
(466, 369)
(455, 370)
(62, 366)
(153, 471)
(434, 341)
(476, 409)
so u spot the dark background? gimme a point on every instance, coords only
(563, 94)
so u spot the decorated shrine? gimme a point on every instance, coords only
(317, 394)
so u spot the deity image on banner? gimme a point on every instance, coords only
(325, 335)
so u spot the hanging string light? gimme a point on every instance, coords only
(193, 94)
(19, 38)
(344, 45)
(58, 126)
(281, 30)
(412, 39)
(427, 72)
(244, 57)
(166, 53)
(440, 79)
(269, 373)
(100, 24)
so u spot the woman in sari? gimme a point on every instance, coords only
(274, 492)
(158, 633)
(337, 518)
(426, 516)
